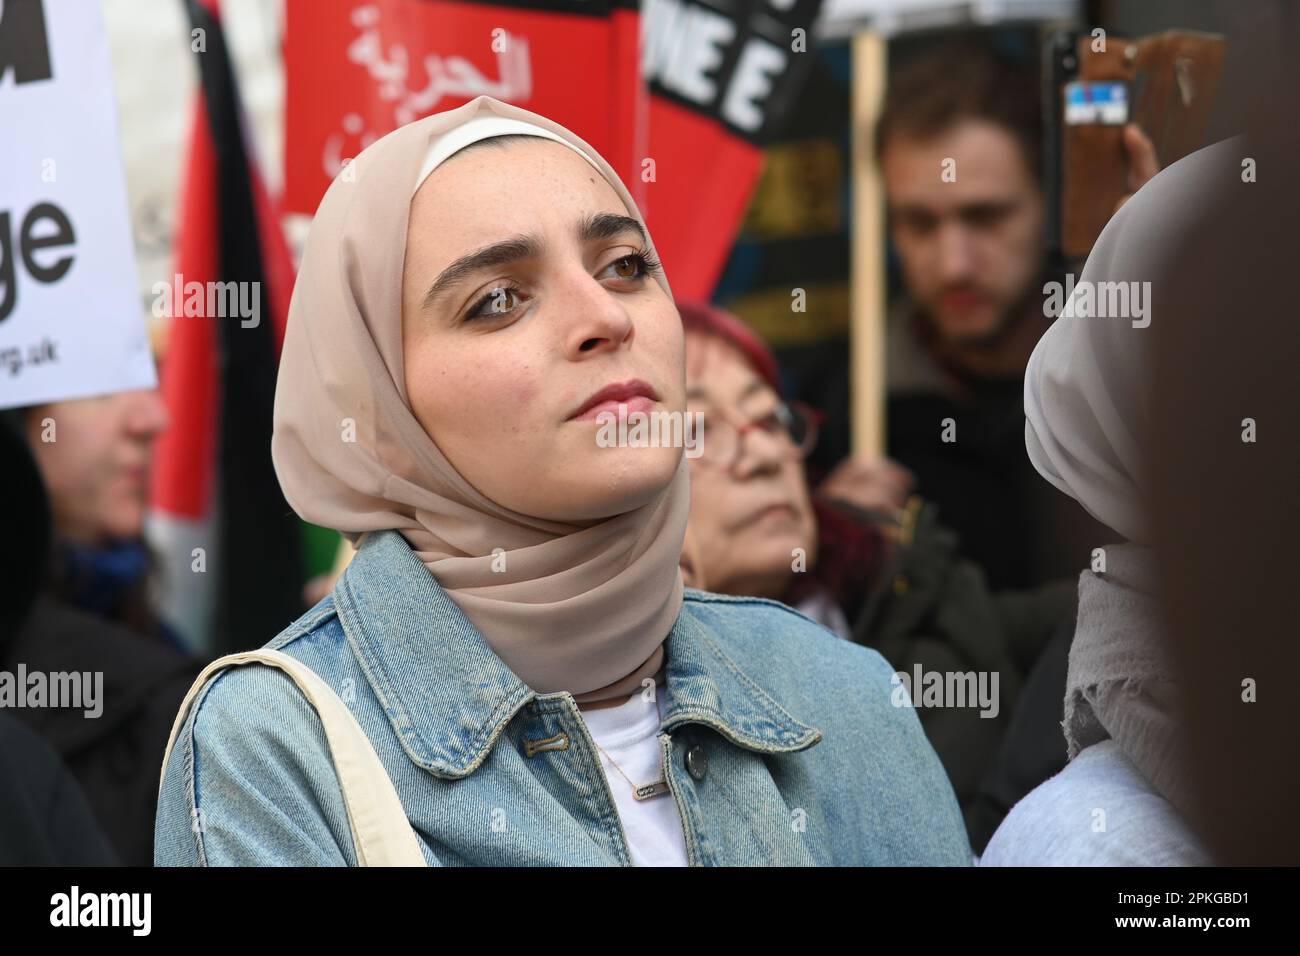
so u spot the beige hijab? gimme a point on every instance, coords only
(1087, 431)
(583, 609)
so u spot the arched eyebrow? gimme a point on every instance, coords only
(602, 225)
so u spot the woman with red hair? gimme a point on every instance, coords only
(754, 531)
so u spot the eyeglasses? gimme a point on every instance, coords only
(722, 437)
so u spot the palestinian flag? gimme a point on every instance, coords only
(230, 545)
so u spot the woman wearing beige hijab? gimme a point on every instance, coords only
(513, 637)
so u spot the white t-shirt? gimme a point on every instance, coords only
(630, 734)
(822, 608)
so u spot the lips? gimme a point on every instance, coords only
(634, 393)
(963, 300)
(781, 510)
(135, 474)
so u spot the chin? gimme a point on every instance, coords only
(122, 516)
(971, 328)
(774, 554)
(120, 530)
(616, 481)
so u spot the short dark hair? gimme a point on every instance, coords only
(500, 142)
(935, 90)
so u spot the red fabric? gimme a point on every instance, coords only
(570, 67)
(704, 178)
(630, 120)
(348, 82)
(183, 458)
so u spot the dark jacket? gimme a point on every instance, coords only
(116, 757)
(933, 608)
(44, 818)
(1019, 529)
(1033, 747)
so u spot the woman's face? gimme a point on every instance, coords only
(504, 350)
(747, 522)
(94, 455)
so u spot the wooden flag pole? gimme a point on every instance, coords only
(867, 283)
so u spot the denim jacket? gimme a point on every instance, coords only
(780, 741)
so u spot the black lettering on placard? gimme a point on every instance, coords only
(730, 60)
(27, 243)
(24, 44)
(8, 282)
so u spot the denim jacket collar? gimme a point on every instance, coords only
(449, 697)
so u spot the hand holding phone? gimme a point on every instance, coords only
(1096, 92)
(1143, 164)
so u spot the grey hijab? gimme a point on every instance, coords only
(1086, 415)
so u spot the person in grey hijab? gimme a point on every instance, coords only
(1122, 798)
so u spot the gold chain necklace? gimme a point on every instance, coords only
(639, 792)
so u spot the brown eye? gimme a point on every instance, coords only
(497, 302)
(628, 267)
(638, 265)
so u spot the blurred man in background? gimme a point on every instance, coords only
(959, 142)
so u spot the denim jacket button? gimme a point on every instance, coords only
(697, 762)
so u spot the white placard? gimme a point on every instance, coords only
(71, 322)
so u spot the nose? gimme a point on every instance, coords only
(598, 322)
(955, 252)
(146, 414)
(762, 454)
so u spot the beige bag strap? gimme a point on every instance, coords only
(381, 834)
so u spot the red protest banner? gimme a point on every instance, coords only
(679, 96)
(357, 69)
(723, 76)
